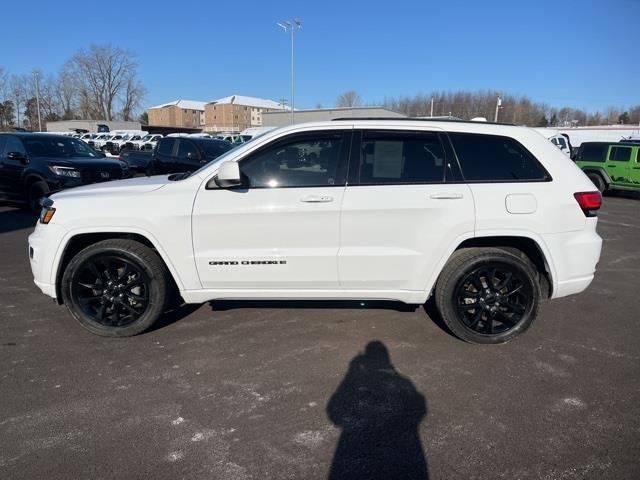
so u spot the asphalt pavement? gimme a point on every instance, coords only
(240, 390)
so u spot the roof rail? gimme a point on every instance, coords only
(422, 119)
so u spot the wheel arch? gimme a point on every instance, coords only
(79, 240)
(520, 244)
(30, 178)
(600, 171)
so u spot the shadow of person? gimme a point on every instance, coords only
(379, 412)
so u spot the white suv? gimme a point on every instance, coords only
(486, 218)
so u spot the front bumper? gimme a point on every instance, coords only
(44, 243)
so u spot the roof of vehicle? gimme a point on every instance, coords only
(422, 119)
(487, 128)
(610, 142)
(37, 135)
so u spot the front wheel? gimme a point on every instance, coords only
(35, 193)
(115, 288)
(487, 295)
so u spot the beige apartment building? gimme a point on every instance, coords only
(237, 112)
(179, 113)
(228, 114)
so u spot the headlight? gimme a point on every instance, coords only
(65, 171)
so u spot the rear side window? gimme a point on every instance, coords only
(400, 158)
(592, 152)
(620, 154)
(166, 147)
(187, 149)
(493, 158)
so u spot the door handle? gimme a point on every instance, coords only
(446, 196)
(317, 199)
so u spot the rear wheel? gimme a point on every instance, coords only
(116, 288)
(598, 181)
(487, 295)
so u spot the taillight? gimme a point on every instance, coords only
(590, 202)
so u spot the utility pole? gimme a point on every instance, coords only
(290, 26)
(498, 107)
(432, 105)
(36, 74)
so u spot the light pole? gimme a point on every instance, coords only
(290, 26)
(498, 107)
(36, 74)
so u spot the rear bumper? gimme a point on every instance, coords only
(575, 256)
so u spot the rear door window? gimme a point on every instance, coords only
(620, 154)
(494, 158)
(396, 157)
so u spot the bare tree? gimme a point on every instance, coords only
(132, 98)
(104, 74)
(18, 94)
(66, 89)
(349, 99)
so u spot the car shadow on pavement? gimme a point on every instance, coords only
(14, 219)
(223, 305)
(379, 412)
(174, 315)
(432, 311)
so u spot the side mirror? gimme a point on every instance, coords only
(228, 175)
(18, 156)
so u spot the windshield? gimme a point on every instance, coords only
(215, 148)
(59, 147)
(221, 158)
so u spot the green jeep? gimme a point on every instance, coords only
(611, 166)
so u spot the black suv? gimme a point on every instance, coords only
(176, 155)
(32, 165)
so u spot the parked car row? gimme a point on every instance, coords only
(175, 154)
(34, 165)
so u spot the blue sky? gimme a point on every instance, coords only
(577, 53)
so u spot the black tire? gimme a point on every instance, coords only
(35, 192)
(487, 295)
(116, 288)
(598, 181)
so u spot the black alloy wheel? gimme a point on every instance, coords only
(488, 295)
(116, 287)
(110, 290)
(493, 299)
